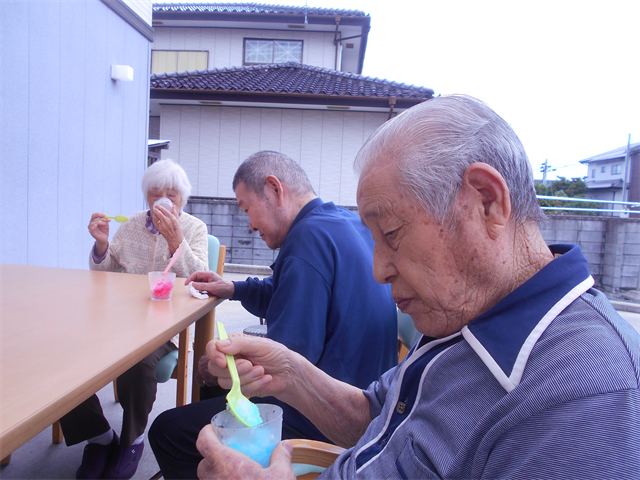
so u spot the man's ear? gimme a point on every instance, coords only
(274, 185)
(491, 196)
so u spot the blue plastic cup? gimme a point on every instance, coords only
(256, 442)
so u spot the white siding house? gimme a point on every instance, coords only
(230, 80)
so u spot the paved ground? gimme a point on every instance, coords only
(39, 458)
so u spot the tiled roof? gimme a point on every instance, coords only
(253, 8)
(613, 154)
(287, 78)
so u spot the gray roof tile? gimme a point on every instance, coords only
(287, 78)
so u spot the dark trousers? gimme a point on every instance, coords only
(136, 391)
(173, 434)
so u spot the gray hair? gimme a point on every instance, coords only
(434, 143)
(253, 173)
(166, 174)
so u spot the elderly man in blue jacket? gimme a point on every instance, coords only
(322, 300)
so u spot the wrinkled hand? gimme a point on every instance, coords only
(168, 224)
(99, 229)
(202, 376)
(266, 368)
(222, 462)
(211, 282)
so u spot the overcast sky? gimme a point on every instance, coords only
(564, 73)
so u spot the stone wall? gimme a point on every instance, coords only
(611, 245)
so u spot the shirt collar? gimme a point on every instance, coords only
(504, 336)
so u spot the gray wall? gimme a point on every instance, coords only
(73, 141)
(611, 245)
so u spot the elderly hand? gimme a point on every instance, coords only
(266, 368)
(202, 376)
(211, 282)
(222, 462)
(168, 224)
(99, 229)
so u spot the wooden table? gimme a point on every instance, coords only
(65, 334)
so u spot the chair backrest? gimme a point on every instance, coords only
(214, 252)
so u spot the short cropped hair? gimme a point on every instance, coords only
(434, 143)
(166, 174)
(253, 173)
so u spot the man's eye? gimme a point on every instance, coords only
(392, 234)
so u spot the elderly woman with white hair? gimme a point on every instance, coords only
(146, 242)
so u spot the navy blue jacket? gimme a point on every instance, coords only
(323, 302)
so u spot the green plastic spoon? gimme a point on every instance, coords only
(118, 218)
(245, 411)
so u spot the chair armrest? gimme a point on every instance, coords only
(312, 452)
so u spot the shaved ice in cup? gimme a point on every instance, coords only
(161, 286)
(256, 442)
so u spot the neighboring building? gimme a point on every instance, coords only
(265, 77)
(74, 141)
(606, 175)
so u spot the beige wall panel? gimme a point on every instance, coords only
(162, 40)
(178, 38)
(371, 122)
(222, 48)
(311, 145)
(291, 137)
(208, 42)
(351, 142)
(328, 52)
(331, 157)
(190, 142)
(236, 49)
(230, 121)
(209, 161)
(316, 51)
(270, 129)
(192, 39)
(249, 132)
(170, 130)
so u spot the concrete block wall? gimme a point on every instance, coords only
(611, 245)
(230, 225)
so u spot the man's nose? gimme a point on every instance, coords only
(383, 268)
(252, 227)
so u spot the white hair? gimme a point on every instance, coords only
(434, 142)
(166, 174)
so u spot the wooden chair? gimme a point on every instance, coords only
(311, 457)
(178, 364)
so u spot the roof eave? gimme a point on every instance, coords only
(287, 98)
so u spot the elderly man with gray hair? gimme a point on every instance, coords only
(523, 370)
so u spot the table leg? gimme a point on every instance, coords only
(204, 333)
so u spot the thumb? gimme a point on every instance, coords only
(281, 455)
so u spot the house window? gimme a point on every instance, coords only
(167, 61)
(593, 173)
(603, 169)
(616, 169)
(258, 51)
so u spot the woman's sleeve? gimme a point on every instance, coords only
(195, 253)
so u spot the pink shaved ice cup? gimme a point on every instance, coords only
(161, 286)
(256, 442)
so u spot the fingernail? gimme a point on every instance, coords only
(224, 343)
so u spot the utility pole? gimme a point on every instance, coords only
(625, 177)
(544, 169)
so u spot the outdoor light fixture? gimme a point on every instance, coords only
(124, 73)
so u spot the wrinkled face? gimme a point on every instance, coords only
(172, 194)
(264, 215)
(420, 258)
